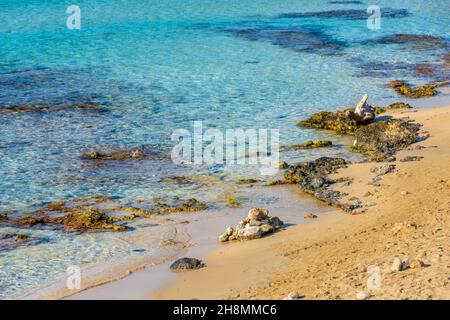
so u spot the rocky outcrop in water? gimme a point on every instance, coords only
(310, 144)
(257, 224)
(81, 215)
(404, 89)
(342, 121)
(46, 107)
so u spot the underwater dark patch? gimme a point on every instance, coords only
(345, 2)
(296, 39)
(350, 14)
(414, 41)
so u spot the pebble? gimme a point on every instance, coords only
(292, 296)
(363, 295)
(404, 193)
(310, 216)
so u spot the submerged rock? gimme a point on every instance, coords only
(189, 205)
(351, 14)
(296, 39)
(309, 145)
(385, 137)
(185, 263)
(418, 40)
(125, 154)
(44, 107)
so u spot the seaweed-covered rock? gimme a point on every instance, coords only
(44, 107)
(185, 263)
(398, 105)
(343, 122)
(404, 89)
(92, 219)
(190, 205)
(125, 154)
(309, 145)
(10, 241)
(385, 137)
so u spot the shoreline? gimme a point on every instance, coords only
(328, 259)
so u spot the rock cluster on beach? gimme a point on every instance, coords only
(257, 224)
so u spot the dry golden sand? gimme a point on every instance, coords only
(328, 258)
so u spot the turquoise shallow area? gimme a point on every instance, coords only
(159, 65)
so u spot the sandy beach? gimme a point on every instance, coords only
(406, 215)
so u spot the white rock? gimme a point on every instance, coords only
(363, 295)
(249, 233)
(257, 214)
(396, 264)
(229, 231)
(364, 110)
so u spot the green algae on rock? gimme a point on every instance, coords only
(404, 89)
(342, 122)
(125, 154)
(309, 145)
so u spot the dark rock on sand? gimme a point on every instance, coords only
(404, 89)
(351, 14)
(185, 264)
(385, 137)
(411, 158)
(312, 177)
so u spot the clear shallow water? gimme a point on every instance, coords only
(157, 66)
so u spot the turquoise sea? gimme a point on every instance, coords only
(156, 66)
